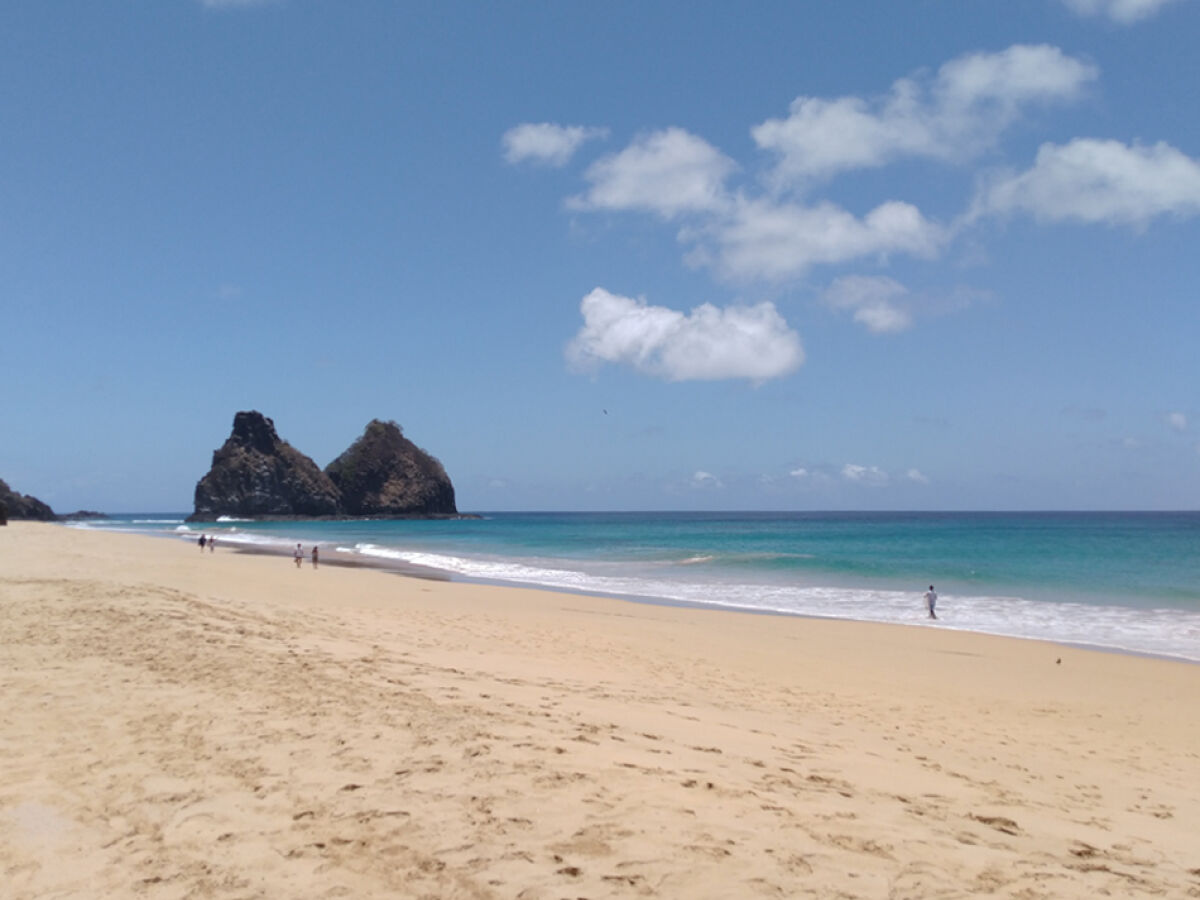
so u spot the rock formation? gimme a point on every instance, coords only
(256, 474)
(385, 474)
(22, 506)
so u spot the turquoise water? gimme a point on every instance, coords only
(1128, 581)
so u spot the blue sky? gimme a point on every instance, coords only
(926, 254)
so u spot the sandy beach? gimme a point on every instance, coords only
(182, 725)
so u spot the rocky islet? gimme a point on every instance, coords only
(257, 474)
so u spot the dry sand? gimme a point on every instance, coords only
(182, 725)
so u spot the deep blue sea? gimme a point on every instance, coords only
(1123, 581)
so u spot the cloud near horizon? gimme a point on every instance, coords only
(707, 344)
(873, 476)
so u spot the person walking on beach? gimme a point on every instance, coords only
(314, 556)
(203, 541)
(931, 601)
(298, 555)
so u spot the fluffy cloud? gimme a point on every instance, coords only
(546, 143)
(775, 241)
(1177, 421)
(1099, 181)
(748, 235)
(869, 475)
(704, 479)
(751, 342)
(955, 115)
(1123, 11)
(668, 172)
(917, 475)
(872, 300)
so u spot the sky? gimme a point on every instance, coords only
(923, 254)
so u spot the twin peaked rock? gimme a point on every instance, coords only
(256, 474)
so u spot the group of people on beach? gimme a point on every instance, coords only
(298, 555)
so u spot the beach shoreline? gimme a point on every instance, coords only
(228, 724)
(334, 554)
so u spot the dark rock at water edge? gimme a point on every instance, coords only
(22, 506)
(256, 474)
(81, 514)
(385, 474)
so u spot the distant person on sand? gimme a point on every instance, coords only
(931, 601)
(298, 555)
(314, 556)
(212, 544)
(203, 541)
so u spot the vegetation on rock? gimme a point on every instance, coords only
(383, 473)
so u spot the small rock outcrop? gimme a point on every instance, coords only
(385, 474)
(22, 506)
(256, 474)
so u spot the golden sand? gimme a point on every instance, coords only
(178, 725)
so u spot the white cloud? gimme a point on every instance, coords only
(916, 475)
(1123, 11)
(799, 472)
(869, 475)
(872, 300)
(704, 479)
(708, 343)
(775, 241)
(1099, 181)
(668, 172)
(545, 142)
(1177, 421)
(953, 116)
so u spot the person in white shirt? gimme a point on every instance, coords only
(931, 601)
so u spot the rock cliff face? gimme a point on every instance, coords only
(383, 473)
(22, 506)
(257, 474)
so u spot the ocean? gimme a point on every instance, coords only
(1112, 580)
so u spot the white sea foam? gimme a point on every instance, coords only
(223, 519)
(1163, 632)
